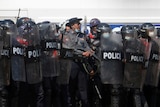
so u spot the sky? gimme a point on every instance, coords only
(59, 10)
(79, 3)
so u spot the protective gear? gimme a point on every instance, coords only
(8, 29)
(23, 20)
(48, 34)
(111, 51)
(152, 70)
(111, 66)
(134, 58)
(105, 35)
(103, 27)
(31, 41)
(151, 34)
(94, 22)
(7, 32)
(145, 29)
(158, 32)
(128, 31)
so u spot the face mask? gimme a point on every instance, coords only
(151, 34)
(76, 30)
(128, 38)
(105, 35)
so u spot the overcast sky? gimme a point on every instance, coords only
(107, 10)
(79, 3)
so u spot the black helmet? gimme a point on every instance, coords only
(7, 23)
(158, 32)
(104, 27)
(23, 20)
(128, 31)
(147, 26)
(94, 22)
(147, 30)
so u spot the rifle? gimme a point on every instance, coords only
(18, 14)
(80, 51)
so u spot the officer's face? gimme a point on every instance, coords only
(151, 32)
(128, 36)
(94, 29)
(76, 25)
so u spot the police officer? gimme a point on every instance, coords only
(31, 91)
(94, 82)
(50, 63)
(65, 69)
(111, 66)
(152, 56)
(78, 77)
(158, 94)
(134, 63)
(6, 31)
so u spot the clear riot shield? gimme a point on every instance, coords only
(111, 58)
(134, 63)
(4, 56)
(49, 44)
(67, 45)
(31, 35)
(17, 55)
(152, 70)
(8, 32)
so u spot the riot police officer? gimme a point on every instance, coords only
(111, 66)
(158, 94)
(152, 56)
(65, 69)
(50, 63)
(94, 82)
(75, 41)
(7, 30)
(31, 91)
(133, 51)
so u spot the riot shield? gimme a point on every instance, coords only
(152, 70)
(111, 70)
(49, 44)
(32, 52)
(4, 57)
(8, 32)
(134, 62)
(17, 55)
(67, 45)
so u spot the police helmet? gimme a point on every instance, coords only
(104, 27)
(147, 30)
(158, 32)
(23, 20)
(128, 31)
(146, 26)
(7, 23)
(94, 22)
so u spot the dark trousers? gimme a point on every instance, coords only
(3, 96)
(112, 95)
(64, 95)
(132, 97)
(13, 90)
(78, 85)
(95, 91)
(51, 92)
(31, 95)
(150, 93)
